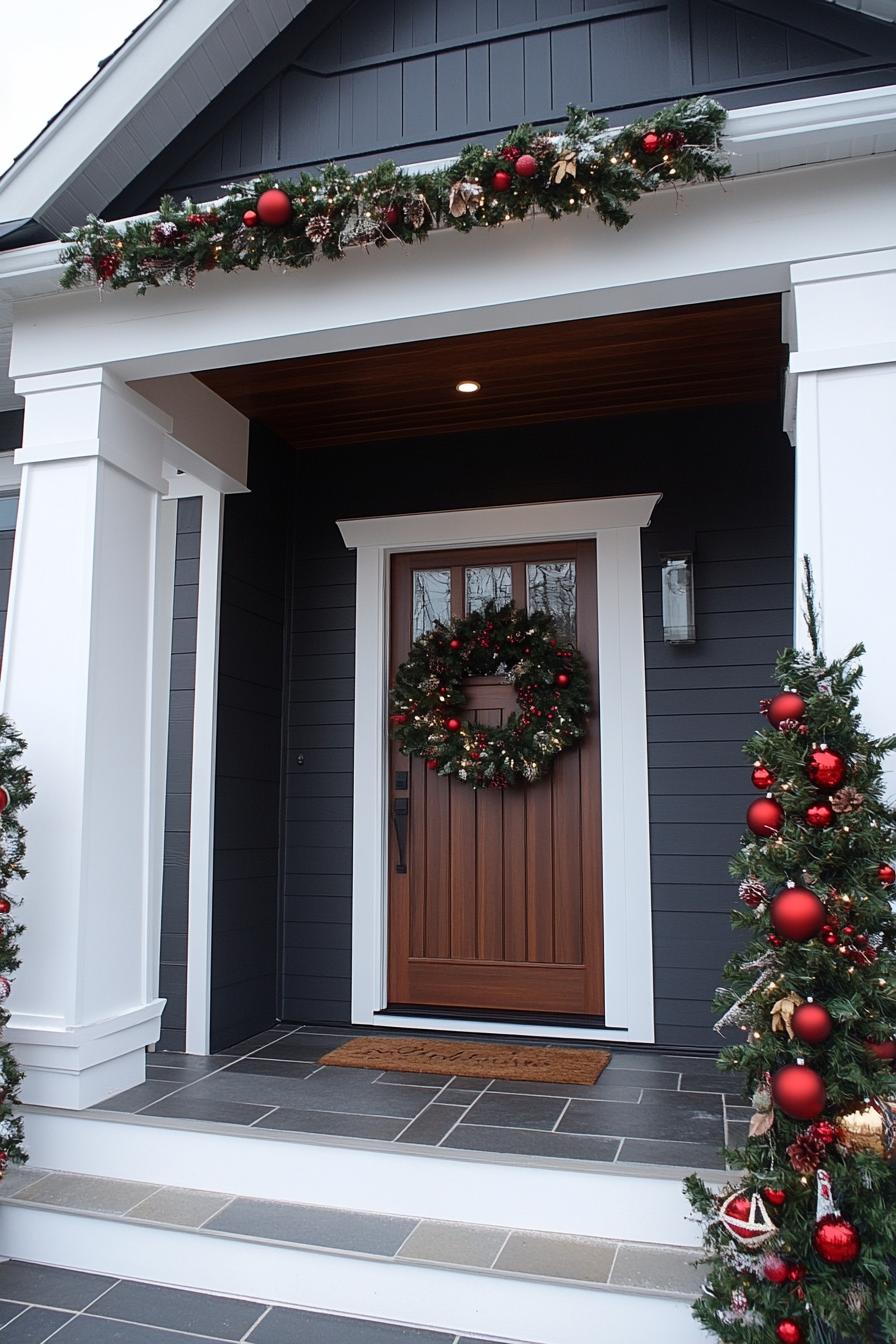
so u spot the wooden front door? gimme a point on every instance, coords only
(499, 906)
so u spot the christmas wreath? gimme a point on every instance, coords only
(291, 222)
(551, 680)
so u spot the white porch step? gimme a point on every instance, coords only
(610, 1201)
(497, 1282)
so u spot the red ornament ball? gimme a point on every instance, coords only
(883, 1049)
(4, 798)
(812, 1023)
(526, 165)
(5, 906)
(799, 1091)
(836, 1240)
(432, 765)
(454, 643)
(650, 142)
(392, 216)
(452, 725)
(819, 815)
(274, 208)
(887, 874)
(789, 1332)
(762, 777)
(250, 219)
(501, 180)
(399, 718)
(774, 1196)
(787, 705)
(826, 768)
(765, 816)
(775, 1269)
(797, 913)
(562, 678)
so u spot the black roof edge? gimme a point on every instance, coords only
(22, 233)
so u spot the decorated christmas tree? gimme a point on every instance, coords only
(800, 1245)
(15, 794)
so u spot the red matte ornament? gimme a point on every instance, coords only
(274, 208)
(836, 1240)
(765, 816)
(250, 219)
(501, 180)
(886, 874)
(789, 1332)
(432, 765)
(454, 643)
(797, 913)
(5, 906)
(650, 142)
(562, 679)
(452, 725)
(526, 165)
(883, 1049)
(799, 1091)
(819, 815)
(775, 1269)
(812, 1023)
(762, 777)
(4, 798)
(392, 216)
(826, 768)
(787, 705)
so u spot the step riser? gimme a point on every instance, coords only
(414, 1184)
(436, 1298)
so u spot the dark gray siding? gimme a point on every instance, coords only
(247, 879)
(417, 78)
(176, 872)
(701, 700)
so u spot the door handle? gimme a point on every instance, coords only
(400, 822)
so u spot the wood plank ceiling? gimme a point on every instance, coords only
(670, 359)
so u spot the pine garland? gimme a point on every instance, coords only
(551, 680)
(16, 784)
(582, 167)
(849, 969)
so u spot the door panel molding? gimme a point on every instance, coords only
(614, 524)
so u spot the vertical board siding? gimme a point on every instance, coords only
(418, 78)
(701, 699)
(246, 883)
(178, 784)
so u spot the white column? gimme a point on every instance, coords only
(84, 621)
(843, 374)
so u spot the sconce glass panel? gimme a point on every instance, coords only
(678, 599)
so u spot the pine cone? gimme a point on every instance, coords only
(847, 800)
(805, 1153)
(318, 228)
(752, 892)
(415, 213)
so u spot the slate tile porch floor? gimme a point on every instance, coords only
(41, 1302)
(648, 1107)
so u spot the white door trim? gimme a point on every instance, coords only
(615, 525)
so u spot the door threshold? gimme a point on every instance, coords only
(493, 1017)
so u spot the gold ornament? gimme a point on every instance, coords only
(783, 1011)
(565, 167)
(871, 1129)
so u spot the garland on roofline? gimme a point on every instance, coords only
(551, 681)
(290, 223)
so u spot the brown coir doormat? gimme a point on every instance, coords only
(471, 1059)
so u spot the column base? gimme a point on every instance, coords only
(76, 1067)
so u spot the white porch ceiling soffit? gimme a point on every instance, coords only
(162, 77)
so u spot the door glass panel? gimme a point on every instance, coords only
(432, 599)
(552, 588)
(488, 583)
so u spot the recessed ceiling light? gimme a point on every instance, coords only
(467, 385)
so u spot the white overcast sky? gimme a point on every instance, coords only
(50, 48)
